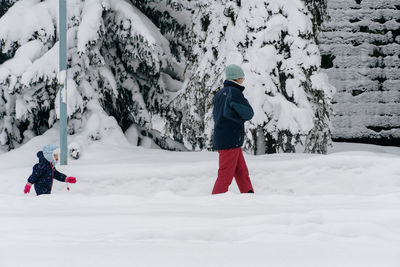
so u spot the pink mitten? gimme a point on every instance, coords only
(70, 180)
(27, 188)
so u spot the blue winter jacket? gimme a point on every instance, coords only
(231, 111)
(43, 174)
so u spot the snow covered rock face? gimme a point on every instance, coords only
(156, 66)
(360, 49)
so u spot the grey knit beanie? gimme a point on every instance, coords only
(234, 72)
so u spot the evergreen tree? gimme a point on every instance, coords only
(5, 5)
(116, 58)
(274, 41)
(159, 68)
(319, 12)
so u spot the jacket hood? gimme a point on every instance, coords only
(228, 83)
(41, 156)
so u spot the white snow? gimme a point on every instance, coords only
(90, 25)
(169, 83)
(12, 26)
(158, 123)
(132, 135)
(147, 207)
(139, 23)
(20, 108)
(74, 99)
(108, 76)
(16, 66)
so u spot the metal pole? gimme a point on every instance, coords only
(63, 87)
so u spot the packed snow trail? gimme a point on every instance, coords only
(140, 207)
(228, 230)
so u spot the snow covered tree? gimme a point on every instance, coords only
(5, 5)
(319, 12)
(156, 71)
(116, 58)
(274, 41)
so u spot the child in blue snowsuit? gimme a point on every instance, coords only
(45, 172)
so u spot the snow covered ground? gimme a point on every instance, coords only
(145, 207)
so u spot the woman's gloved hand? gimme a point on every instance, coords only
(70, 180)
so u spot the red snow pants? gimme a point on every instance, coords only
(232, 164)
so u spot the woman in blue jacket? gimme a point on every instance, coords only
(231, 111)
(45, 172)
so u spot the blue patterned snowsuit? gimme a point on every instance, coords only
(43, 174)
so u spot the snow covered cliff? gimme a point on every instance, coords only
(360, 48)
